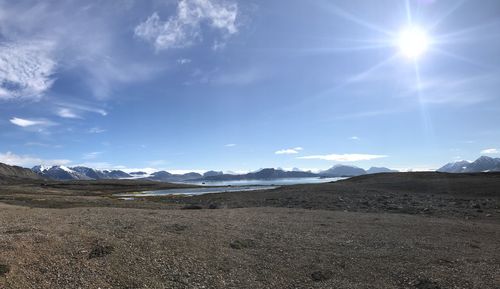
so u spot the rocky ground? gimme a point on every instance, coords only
(424, 231)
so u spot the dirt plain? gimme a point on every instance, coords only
(407, 230)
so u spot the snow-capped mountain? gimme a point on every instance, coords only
(59, 173)
(77, 173)
(482, 164)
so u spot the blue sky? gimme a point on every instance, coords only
(239, 85)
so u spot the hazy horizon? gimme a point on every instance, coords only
(228, 85)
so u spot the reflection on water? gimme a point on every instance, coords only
(275, 182)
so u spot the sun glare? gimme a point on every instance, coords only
(413, 42)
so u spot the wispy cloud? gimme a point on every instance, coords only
(96, 130)
(157, 163)
(45, 145)
(26, 69)
(91, 155)
(344, 157)
(76, 108)
(29, 161)
(22, 122)
(354, 138)
(291, 151)
(230, 145)
(184, 28)
(243, 77)
(184, 61)
(490, 151)
(67, 113)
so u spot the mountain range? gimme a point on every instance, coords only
(63, 173)
(482, 164)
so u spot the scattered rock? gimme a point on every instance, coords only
(4, 269)
(213, 206)
(99, 251)
(242, 244)
(192, 207)
(318, 276)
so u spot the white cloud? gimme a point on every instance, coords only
(230, 145)
(152, 170)
(184, 28)
(30, 122)
(29, 161)
(344, 157)
(490, 151)
(289, 151)
(67, 113)
(354, 138)
(26, 69)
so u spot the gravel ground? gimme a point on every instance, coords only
(243, 248)
(422, 230)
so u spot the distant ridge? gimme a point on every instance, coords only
(482, 164)
(264, 174)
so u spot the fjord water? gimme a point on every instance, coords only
(273, 182)
(230, 186)
(196, 191)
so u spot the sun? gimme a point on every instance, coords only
(413, 41)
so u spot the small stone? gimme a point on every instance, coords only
(99, 251)
(4, 269)
(192, 207)
(242, 244)
(318, 276)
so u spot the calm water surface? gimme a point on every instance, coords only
(276, 182)
(195, 191)
(228, 186)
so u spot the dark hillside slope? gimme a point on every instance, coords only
(10, 174)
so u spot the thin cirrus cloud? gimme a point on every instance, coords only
(77, 109)
(26, 69)
(291, 151)
(96, 130)
(230, 145)
(490, 151)
(184, 28)
(22, 122)
(344, 157)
